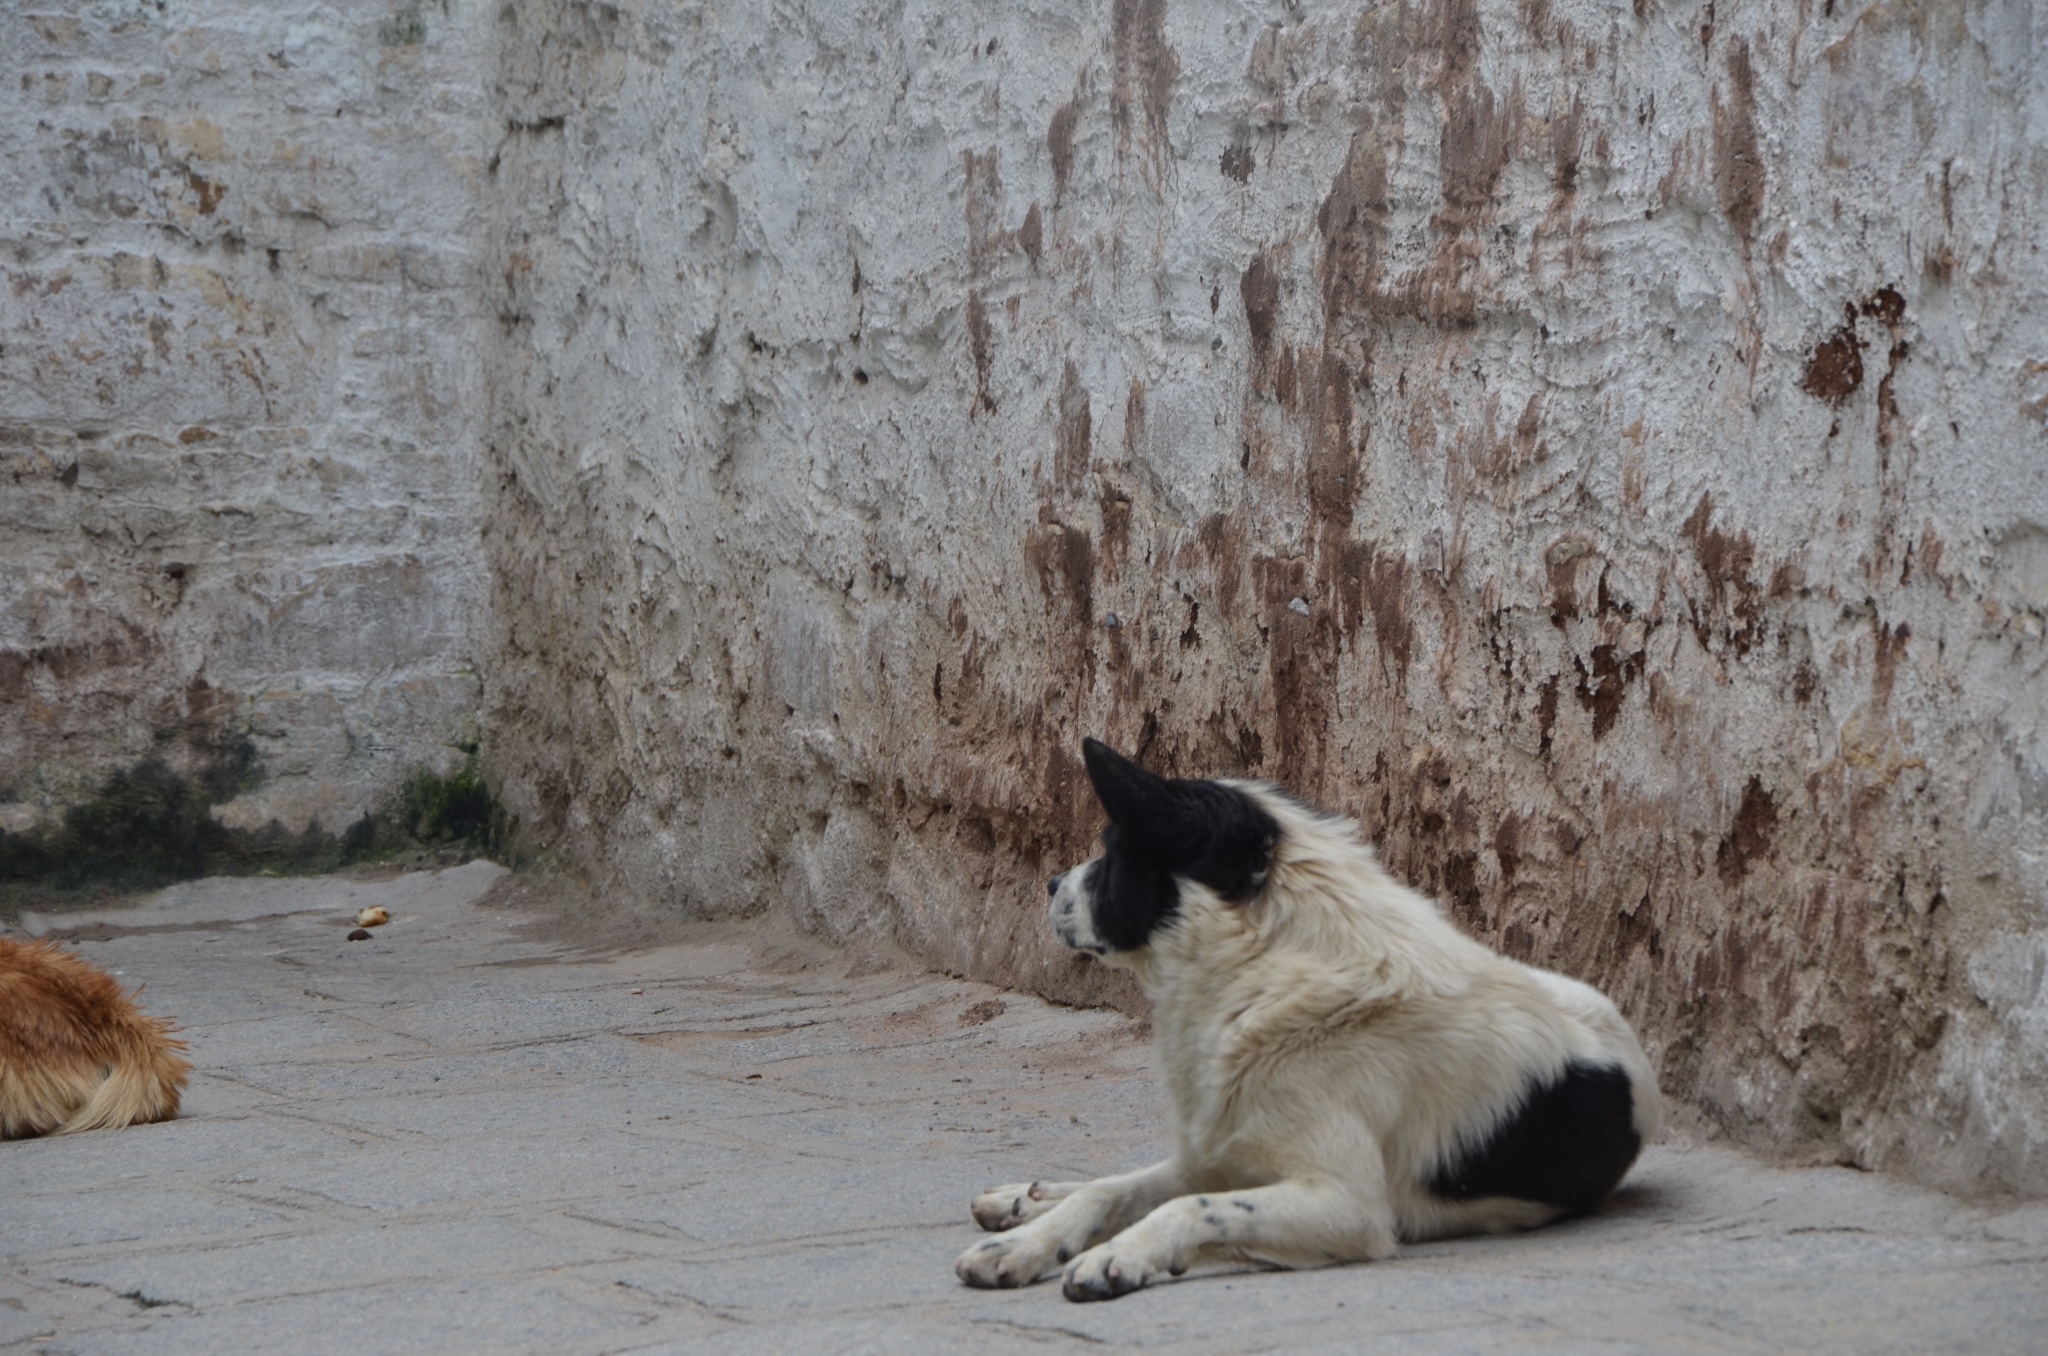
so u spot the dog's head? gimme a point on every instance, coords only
(1162, 835)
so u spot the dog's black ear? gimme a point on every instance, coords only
(1203, 830)
(1159, 817)
(1132, 797)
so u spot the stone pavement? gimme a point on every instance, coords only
(480, 1133)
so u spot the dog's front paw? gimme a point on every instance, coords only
(1007, 1207)
(1102, 1273)
(1005, 1263)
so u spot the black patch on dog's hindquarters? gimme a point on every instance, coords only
(1568, 1144)
(1162, 832)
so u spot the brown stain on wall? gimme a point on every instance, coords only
(984, 205)
(65, 666)
(1601, 691)
(1478, 135)
(1479, 130)
(1566, 559)
(1738, 159)
(1259, 289)
(1507, 844)
(1222, 543)
(1750, 837)
(987, 240)
(1352, 222)
(1073, 437)
(1890, 650)
(1888, 308)
(1143, 72)
(208, 191)
(1114, 506)
(1835, 369)
(1566, 139)
(1546, 713)
(1031, 235)
(1301, 662)
(1059, 144)
(1387, 582)
(980, 342)
(1733, 599)
(1333, 460)
(1063, 558)
(1475, 149)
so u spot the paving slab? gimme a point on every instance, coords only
(489, 1130)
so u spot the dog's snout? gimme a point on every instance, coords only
(1052, 887)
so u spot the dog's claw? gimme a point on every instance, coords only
(1090, 1278)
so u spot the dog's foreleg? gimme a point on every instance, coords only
(1294, 1224)
(1084, 1214)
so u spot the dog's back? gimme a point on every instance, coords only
(75, 1052)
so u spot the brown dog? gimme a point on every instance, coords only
(75, 1052)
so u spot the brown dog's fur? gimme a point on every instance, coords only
(75, 1052)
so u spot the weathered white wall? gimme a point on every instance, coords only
(240, 389)
(1600, 447)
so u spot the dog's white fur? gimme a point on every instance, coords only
(1325, 1045)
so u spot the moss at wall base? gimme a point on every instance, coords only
(149, 825)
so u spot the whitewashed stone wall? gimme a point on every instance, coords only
(1600, 446)
(240, 390)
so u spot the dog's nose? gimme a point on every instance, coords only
(1052, 887)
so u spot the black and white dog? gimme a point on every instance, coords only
(1346, 1069)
